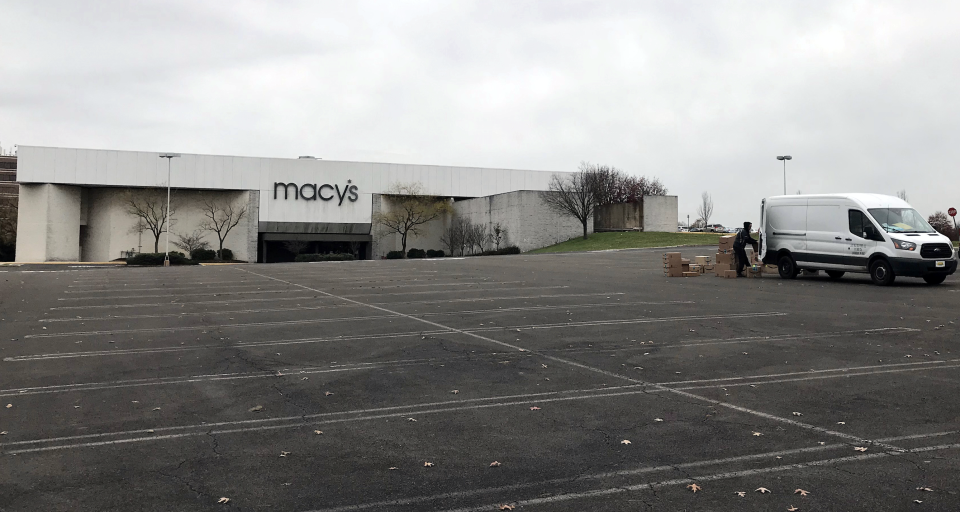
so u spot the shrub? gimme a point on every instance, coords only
(513, 249)
(324, 257)
(226, 254)
(177, 253)
(395, 255)
(154, 259)
(435, 254)
(416, 253)
(203, 255)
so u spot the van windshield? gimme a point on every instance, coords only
(901, 220)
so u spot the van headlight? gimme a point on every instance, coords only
(902, 244)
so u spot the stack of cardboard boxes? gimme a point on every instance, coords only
(725, 259)
(674, 265)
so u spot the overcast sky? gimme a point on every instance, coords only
(703, 95)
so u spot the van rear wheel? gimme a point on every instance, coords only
(881, 273)
(787, 268)
(835, 274)
(934, 279)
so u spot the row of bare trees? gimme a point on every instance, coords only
(149, 207)
(462, 236)
(580, 193)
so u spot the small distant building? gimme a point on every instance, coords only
(648, 213)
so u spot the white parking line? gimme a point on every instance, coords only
(184, 304)
(170, 288)
(593, 323)
(682, 467)
(313, 308)
(663, 483)
(178, 295)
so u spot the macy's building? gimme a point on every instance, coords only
(74, 204)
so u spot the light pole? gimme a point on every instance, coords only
(166, 244)
(785, 158)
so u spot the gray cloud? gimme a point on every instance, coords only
(703, 95)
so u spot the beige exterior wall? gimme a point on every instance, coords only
(660, 213)
(52, 216)
(529, 223)
(48, 226)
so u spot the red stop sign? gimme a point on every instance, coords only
(952, 212)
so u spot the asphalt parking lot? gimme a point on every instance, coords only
(544, 383)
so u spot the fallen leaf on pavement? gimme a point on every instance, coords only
(534, 408)
(795, 413)
(156, 408)
(284, 454)
(841, 423)
(757, 434)
(801, 492)
(694, 487)
(927, 489)
(223, 500)
(411, 419)
(456, 391)
(658, 419)
(255, 408)
(327, 393)
(917, 501)
(507, 507)
(860, 448)
(9, 406)
(318, 432)
(392, 469)
(741, 493)
(625, 441)
(543, 365)
(762, 490)
(792, 509)
(3, 433)
(428, 464)
(495, 464)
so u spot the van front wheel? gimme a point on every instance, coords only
(835, 274)
(881, 273)
(935, 278)
(788, 268)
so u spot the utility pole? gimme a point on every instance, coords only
(784, 158)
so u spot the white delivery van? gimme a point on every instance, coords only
(877, 234)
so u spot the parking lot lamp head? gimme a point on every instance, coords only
(785, 158)
(166, 243)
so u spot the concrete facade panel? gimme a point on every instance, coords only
(660, 213)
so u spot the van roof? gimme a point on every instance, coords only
(867, 200)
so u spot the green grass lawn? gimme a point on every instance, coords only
(631, 240)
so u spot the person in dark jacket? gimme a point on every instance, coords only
(739, 245)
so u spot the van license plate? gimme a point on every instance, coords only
(941, 264)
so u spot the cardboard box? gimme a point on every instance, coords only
(720, 268)
(753, 271)
(691, 274)
(685, 267)
(726, 242)
(730, 274)
(702, 260)
(724, 258)
(674, 272)
(671, 256)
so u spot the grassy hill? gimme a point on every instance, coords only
(630, 240)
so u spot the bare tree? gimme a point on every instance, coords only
(410, 208)
(191, 242)
(453, 236)
(150, 209)
(221, 217)
(705, 210)
(355, 249)
(614, 186)
(498, 235)
(476, 237)
(902, 194)
(573, 195)
(8, 228)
